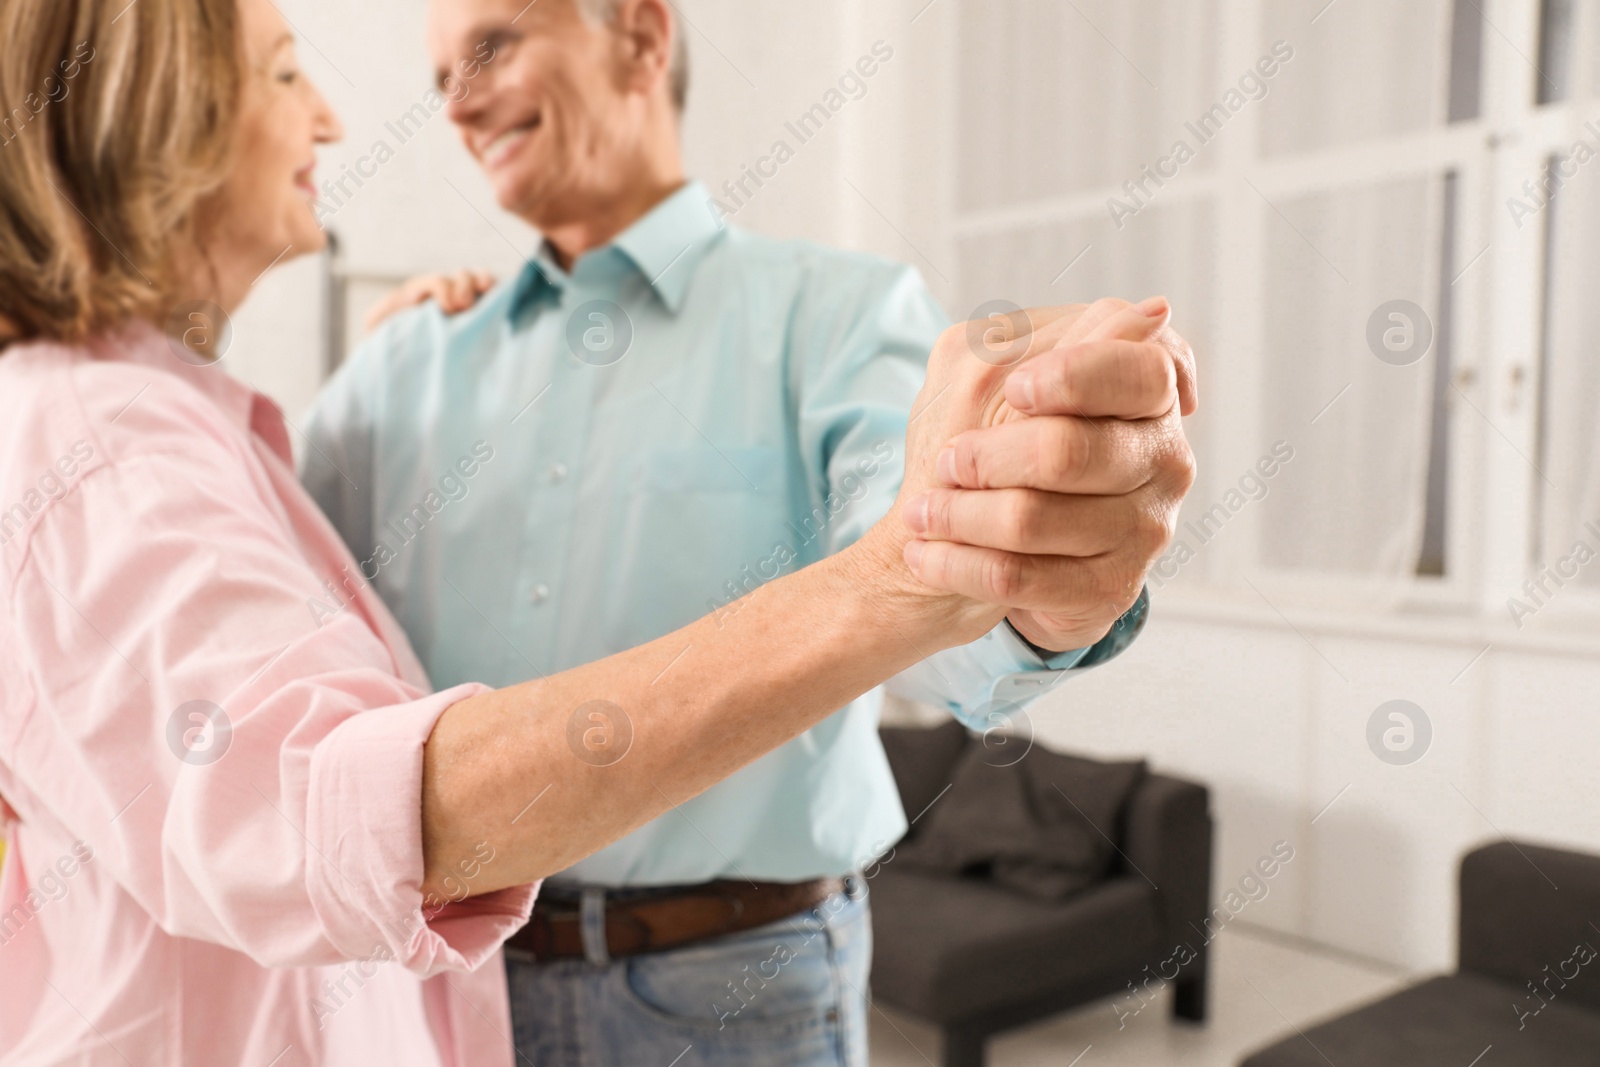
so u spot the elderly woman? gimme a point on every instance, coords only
(242, 829)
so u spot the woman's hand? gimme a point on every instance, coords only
(454, 293)
(1045, 465)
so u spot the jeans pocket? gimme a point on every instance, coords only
(780, 979)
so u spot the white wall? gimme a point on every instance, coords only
(1237, 698)
(1271, 714)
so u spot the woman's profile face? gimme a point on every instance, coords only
(263, 214)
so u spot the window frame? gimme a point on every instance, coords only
(1496, 317)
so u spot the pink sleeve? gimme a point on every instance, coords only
(168, 584)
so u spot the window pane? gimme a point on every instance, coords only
(1434, 559)
(1553, 78)
(1360, 426)
(1585, 52)
(1058, 98)
(1365, 69)
(1466, 62)
(1571, 389)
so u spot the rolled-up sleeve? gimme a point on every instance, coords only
(221, 719)
(370, 768)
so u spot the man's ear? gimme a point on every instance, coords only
(646, 30)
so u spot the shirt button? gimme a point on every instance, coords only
(558, 472)
(540, 594)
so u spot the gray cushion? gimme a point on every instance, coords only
(1043, 826)
(922, 761)
(949, 949)
(1445, 1022)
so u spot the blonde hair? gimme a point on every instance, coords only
(116, 122)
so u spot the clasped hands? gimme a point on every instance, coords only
(1045, 463)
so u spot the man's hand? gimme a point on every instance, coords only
(1058, 505)
(454, 293)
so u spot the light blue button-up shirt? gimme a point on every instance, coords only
(584, 462)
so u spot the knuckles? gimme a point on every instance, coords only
(1118, 586)
(1025, 521)
(1061, 453)
(1155, 376)
(1152, 532)
(1003, 576)
(952, 343)
(941, 514)
(968, 473)
(1147, 527)
(1175, 464)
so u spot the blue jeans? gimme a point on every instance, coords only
(790, 994)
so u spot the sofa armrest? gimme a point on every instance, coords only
(1167, 839)
(1525, 910)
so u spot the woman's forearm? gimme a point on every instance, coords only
(550, 771)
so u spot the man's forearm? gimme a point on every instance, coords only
(1008, 506)
(699, 704)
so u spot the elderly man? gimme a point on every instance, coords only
(671, 413)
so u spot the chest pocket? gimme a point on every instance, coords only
(686, 521)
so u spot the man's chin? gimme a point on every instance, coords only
(526, 199)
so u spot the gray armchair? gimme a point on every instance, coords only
(974, 957)
(1530, 916)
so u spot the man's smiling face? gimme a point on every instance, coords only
(546, 115)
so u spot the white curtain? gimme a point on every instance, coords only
(1364, 69)
(1060, 98)
(1354, 503)
(1571, 391)
(1353, 500)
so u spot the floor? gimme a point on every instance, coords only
(1263, 986)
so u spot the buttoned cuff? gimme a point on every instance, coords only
(364, 861)
(1031, 675)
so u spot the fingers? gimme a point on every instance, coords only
(1042, 331)
(1037, 523)
(1105, 319)
(396, 301)
(1097, 379)
(1007, 337)
(1060, 454)
(454, 293)
(1184, 365)
(1006, 579)
(1130, 324)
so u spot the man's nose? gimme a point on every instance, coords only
(465, 100)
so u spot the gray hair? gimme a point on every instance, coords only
(605, 12)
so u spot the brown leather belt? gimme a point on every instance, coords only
(637, 923)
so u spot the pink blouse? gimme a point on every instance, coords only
(212, 788)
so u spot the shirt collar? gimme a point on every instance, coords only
(664, 246)
(142, 343)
